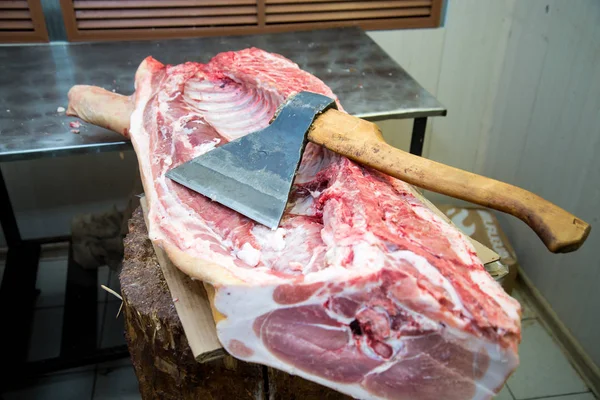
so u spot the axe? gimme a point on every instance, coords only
(253, 175)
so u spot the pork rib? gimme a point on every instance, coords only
(362, 288)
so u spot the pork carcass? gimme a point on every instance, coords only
(362, 288)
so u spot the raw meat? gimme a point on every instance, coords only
(362, 288)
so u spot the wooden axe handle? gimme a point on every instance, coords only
(362, 142)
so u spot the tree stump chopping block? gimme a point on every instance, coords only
(162, 359)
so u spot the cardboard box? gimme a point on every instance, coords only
(481, 225)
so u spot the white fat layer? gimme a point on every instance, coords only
(493, 289)
(368, 257)
(249, 255)
(242, 302)
(269, 239)
(241, 314)
(336, 255)
(333, 328)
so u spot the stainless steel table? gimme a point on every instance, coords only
(35, 79)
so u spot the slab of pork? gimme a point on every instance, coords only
(362, 288)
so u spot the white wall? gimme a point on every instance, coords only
(521, 80)
(545, 136)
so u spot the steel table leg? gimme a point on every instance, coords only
(17, 304)
(418, 136)
(79, 322)
(7, 216)
(17, 292)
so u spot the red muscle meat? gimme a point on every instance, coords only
(362, 288)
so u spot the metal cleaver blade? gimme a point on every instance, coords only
(253, 175)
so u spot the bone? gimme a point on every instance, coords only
(100, 107)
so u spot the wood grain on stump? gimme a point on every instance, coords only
(161, 356)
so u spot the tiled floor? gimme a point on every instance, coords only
(544, 372)
(115, 380)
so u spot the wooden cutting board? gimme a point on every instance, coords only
(193, 305)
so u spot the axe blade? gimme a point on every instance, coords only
(253, 175)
